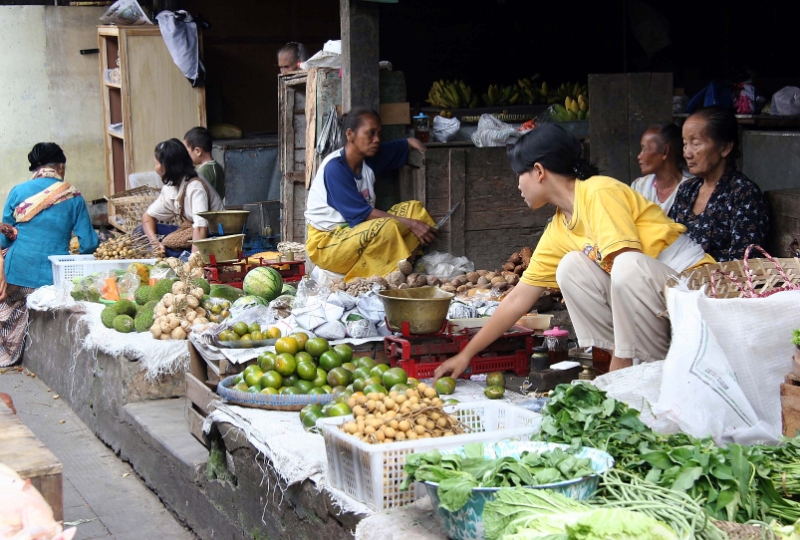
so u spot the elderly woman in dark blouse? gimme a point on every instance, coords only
(722, 209)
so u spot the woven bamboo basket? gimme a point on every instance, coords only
(125, 208)
(739, 531)
(746, 278)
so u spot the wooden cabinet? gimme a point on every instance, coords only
(146, 100)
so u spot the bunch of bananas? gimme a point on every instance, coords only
(496, 96)
(573, 109)
(533, 94)
(452, 95)
(567, 90)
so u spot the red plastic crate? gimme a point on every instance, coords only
(419, 356)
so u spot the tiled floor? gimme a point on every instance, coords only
(101, 492)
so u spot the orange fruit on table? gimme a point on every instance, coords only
(271, 379)
(329, 360)
(285, 364)
(378, 370)
(303, 356)
(344, 351)
(321, 379)
(365, 362)
(287, 345)
(307, 371)
(301, 338)
(273, 333)
(253, 378)
(339, 376)
(316, 346)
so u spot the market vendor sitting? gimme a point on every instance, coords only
(183, 196)
(39, 218)
(346, 233)
(607, 248)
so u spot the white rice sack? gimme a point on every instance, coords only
(331, 330)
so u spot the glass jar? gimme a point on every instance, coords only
(540, 359)
(422, 127)
(557, 343)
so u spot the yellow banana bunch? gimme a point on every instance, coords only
(451, 95)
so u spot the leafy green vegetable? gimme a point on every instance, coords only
(796, 337)
(457, 475)
(735, 482)
(526, 514)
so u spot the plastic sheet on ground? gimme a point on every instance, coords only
(157, 357)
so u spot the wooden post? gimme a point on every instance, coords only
(623, 106)
(360, 55)
(458, 188)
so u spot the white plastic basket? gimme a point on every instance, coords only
(372, 473)
(66, 267)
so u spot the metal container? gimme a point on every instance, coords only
(232, 221)
(251, 166)
(425, 308)
(223, 248)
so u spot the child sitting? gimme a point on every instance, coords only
(198, 143)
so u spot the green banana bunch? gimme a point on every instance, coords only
(532, 94)
(451, 95)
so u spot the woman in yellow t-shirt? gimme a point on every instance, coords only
(607, 248)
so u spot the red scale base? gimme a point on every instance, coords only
(420, 355)
(233, 273)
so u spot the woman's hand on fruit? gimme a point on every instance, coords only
(454, 367)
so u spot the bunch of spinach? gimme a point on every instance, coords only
(457, 475)
(734, 481)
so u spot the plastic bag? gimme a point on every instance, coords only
(125, 13)
(127, 285)
(493, 132)
(443, 265)
(309, 291)
(347, 301)
(370, 306)
(331, 330)
(161, 271)
(460, 310)
(360, 328)
(444, 129)
(786, 101)
(283, 306)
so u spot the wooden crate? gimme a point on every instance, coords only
(24, 453)
(201, 394)
(790, 404)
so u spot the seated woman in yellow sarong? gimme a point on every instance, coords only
(346, 233)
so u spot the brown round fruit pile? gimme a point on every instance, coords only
(414, 414)
(125, 246)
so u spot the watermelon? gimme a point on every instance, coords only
(263, 281)
(288, 289)
(249, 301)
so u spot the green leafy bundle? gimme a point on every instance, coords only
(457, 475)
(736, 482)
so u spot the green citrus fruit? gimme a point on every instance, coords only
(303, 356)
(257, 336)
(307, 371)
(394, 376)
(271, 379)
(316, 346)
(287, 345)
(374, 380)
(285, 364)
(338, 376)
(245, 337)
(339, 409)
(377, 388)
(273, 333)
(321, 379)
(251, 367)
(327, 388)
(240, 328)
(343, 397)
(329, 360)
(253, 378)
(241, 387)
(451, 401)
(305, 386)
(311, 418)
(344, 351)
(317, 391)
(292, 390)
(253, 327)
(412, 382)
(366, 362)
(378, 370)
(361, 373)
(301, 338)
(349, 366)
(269, 391)
(336, 390)
(327, 408)
(312, 408)
(239, 378)
(401, 388)
(255, 389)
(359, 385)
(291, 380)
(445, 385)
(494, 392)
(266, 361)
(496, 379)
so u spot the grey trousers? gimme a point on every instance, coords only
(618, 312)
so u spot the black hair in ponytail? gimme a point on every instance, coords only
(555, 149)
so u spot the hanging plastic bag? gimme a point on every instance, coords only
(493, 132)
(786, 101)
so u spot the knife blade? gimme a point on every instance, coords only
(447, 216)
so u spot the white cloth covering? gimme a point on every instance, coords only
(645, 186)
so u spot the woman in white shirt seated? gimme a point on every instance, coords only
(183, 196)
(662, 164)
